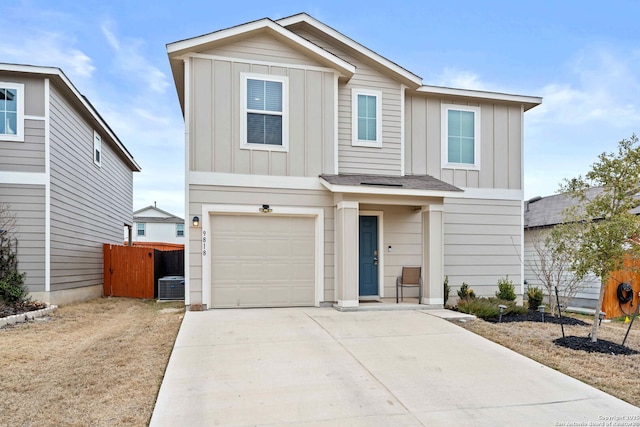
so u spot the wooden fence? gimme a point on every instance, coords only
(631, 275)
(133, 272)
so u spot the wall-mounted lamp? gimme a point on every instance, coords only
(196, 221)
(265, 209)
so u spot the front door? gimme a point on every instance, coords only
(368, 285)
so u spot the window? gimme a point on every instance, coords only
(11, 111)
(366, 106)
(141, 229)
(264, 111)
(97, 149)
(461, 136)
(179, 230)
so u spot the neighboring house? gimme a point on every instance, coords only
(540, 215)
(154, 225)
(317, 169)
(67, 178)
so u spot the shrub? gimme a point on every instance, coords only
(12, 287)
(534, 297)
(447, 289)
(465, 292)
(486, 308)
(506, 290)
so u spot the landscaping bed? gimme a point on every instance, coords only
(19, 307)
(98, 363)
(606, 365)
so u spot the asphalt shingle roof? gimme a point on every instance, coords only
(411, 182)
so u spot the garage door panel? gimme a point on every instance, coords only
(262, 261)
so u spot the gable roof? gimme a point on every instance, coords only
(548, 211)
(400, 73)
(163, 212)
(79, 100)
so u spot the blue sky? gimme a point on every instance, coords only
(583, 58)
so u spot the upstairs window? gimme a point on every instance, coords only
(265, 118)
(11, 111)
(366, 106)
(97, 149)
(141, 228)
(461, 136)
(180, 230)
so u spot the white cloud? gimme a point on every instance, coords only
(451, 77)
(129, 60)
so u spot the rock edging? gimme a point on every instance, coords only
(26, 316)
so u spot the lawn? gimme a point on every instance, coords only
(618, 375)
(98, 363)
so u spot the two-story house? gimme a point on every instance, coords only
(154, 225)
(317, 169)
(66, 178)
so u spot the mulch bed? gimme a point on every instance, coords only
(600, 346)
(9, 309)
(534, 316)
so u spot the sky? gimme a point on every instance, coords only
(583, 58)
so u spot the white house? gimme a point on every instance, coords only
(151, 224)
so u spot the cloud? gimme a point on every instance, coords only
(129, 60)
(48, 49)
(452, 77)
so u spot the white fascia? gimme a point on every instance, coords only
(527, 101)
(363, 189)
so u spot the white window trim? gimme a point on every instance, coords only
(19, 136)
(177, 234)
(355, 142)
(243, 112)
(144, 229)
(445, 139)
(97, 146)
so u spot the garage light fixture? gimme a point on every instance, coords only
(265, 209)
(196, 221)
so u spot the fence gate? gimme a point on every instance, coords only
(128, 271)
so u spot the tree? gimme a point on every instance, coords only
(12, 288)
(552, 269)
(599, 231)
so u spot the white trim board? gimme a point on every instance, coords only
(23, 178)
(255, 181)
(257, 62)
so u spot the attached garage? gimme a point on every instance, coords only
(262, 260)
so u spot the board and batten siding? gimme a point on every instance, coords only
(205, 195)
(482, 243)
(89, 204)
(215, 124)
(366, 160)
(500, 136)
(590, 285)
(27, 203)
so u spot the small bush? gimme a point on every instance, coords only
(486, 308)
(447, 289)
(506, 290)
(534, 297)
(12, 287)
(465, 292)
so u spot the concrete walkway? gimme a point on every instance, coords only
(320, 367)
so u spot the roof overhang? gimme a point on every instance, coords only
(179, 50)
(406, 77)
(383, 185)
(528, 102)
(70, 90)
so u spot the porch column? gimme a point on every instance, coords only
(433, 255)
(347, 254)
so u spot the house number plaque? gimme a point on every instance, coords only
(204, 243)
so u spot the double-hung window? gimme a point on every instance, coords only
(180, 230)
(97, 148)
(11, 111)
(141, 228)
(264, 112)
(366, 107)
(461, 136)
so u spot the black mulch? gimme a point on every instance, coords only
(7, 309)
(600, 346)
(535, 316)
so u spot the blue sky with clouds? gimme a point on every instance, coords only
(583, 58)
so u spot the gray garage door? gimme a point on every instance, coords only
(262, 261)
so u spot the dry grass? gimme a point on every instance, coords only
(98, 363)
(616, 375)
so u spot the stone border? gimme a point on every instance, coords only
(26, 316)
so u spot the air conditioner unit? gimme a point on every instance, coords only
(171, 288)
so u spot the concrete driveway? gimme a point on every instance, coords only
(320, 367)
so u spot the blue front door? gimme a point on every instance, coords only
(368, 285)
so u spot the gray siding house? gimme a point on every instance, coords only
(67, 178)
(317, 169)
